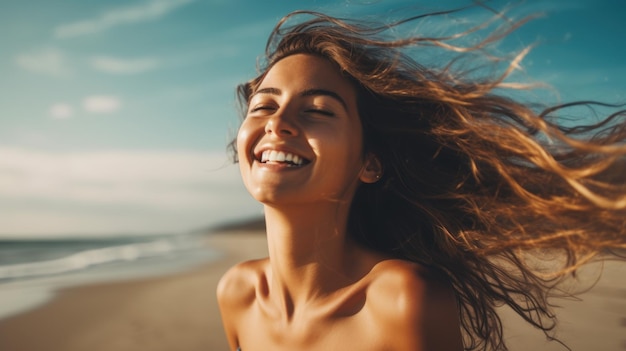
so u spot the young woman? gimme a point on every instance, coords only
(403, 204)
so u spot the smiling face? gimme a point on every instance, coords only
(301, 141)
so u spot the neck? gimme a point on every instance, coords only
(309, 252)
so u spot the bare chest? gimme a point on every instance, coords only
(353, 332)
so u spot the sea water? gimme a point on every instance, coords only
(32, 270)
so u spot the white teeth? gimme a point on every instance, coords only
(280, 156)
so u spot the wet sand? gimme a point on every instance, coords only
(179, 312)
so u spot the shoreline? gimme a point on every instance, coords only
(128, 260)
(175, 311)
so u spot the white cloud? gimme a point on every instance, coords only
(61, 111)
(101, 104)
(147, 11)
(124, 66)
(81, 192)
(50, 61)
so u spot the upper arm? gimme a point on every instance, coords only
(417, 312)
(235, 293)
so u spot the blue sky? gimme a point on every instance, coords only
(114, 115)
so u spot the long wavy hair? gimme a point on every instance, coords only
(476, 186)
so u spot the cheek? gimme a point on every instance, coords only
(342, 152)
(350, 142)
(243, 142)
(243, 154)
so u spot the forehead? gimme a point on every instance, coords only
(303, 71)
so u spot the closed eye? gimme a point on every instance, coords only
(321, 112)
(261, 108)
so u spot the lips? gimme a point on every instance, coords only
(271, 156)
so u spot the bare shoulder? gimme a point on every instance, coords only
(237, 287)
(416, 308)
(408, 282)
(236, 292)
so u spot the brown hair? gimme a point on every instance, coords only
(476, 185)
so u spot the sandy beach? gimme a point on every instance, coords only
(175, 312)
(179, 312)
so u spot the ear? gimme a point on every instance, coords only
(372, 169)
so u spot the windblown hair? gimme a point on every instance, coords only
(476, 186)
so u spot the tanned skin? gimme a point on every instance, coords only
(318, 290)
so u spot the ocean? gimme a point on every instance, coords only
(32, 270)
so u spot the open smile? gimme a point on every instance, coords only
(282, 157)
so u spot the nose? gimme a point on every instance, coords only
(281, 125)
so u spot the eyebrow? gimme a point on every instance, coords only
(307, 92)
